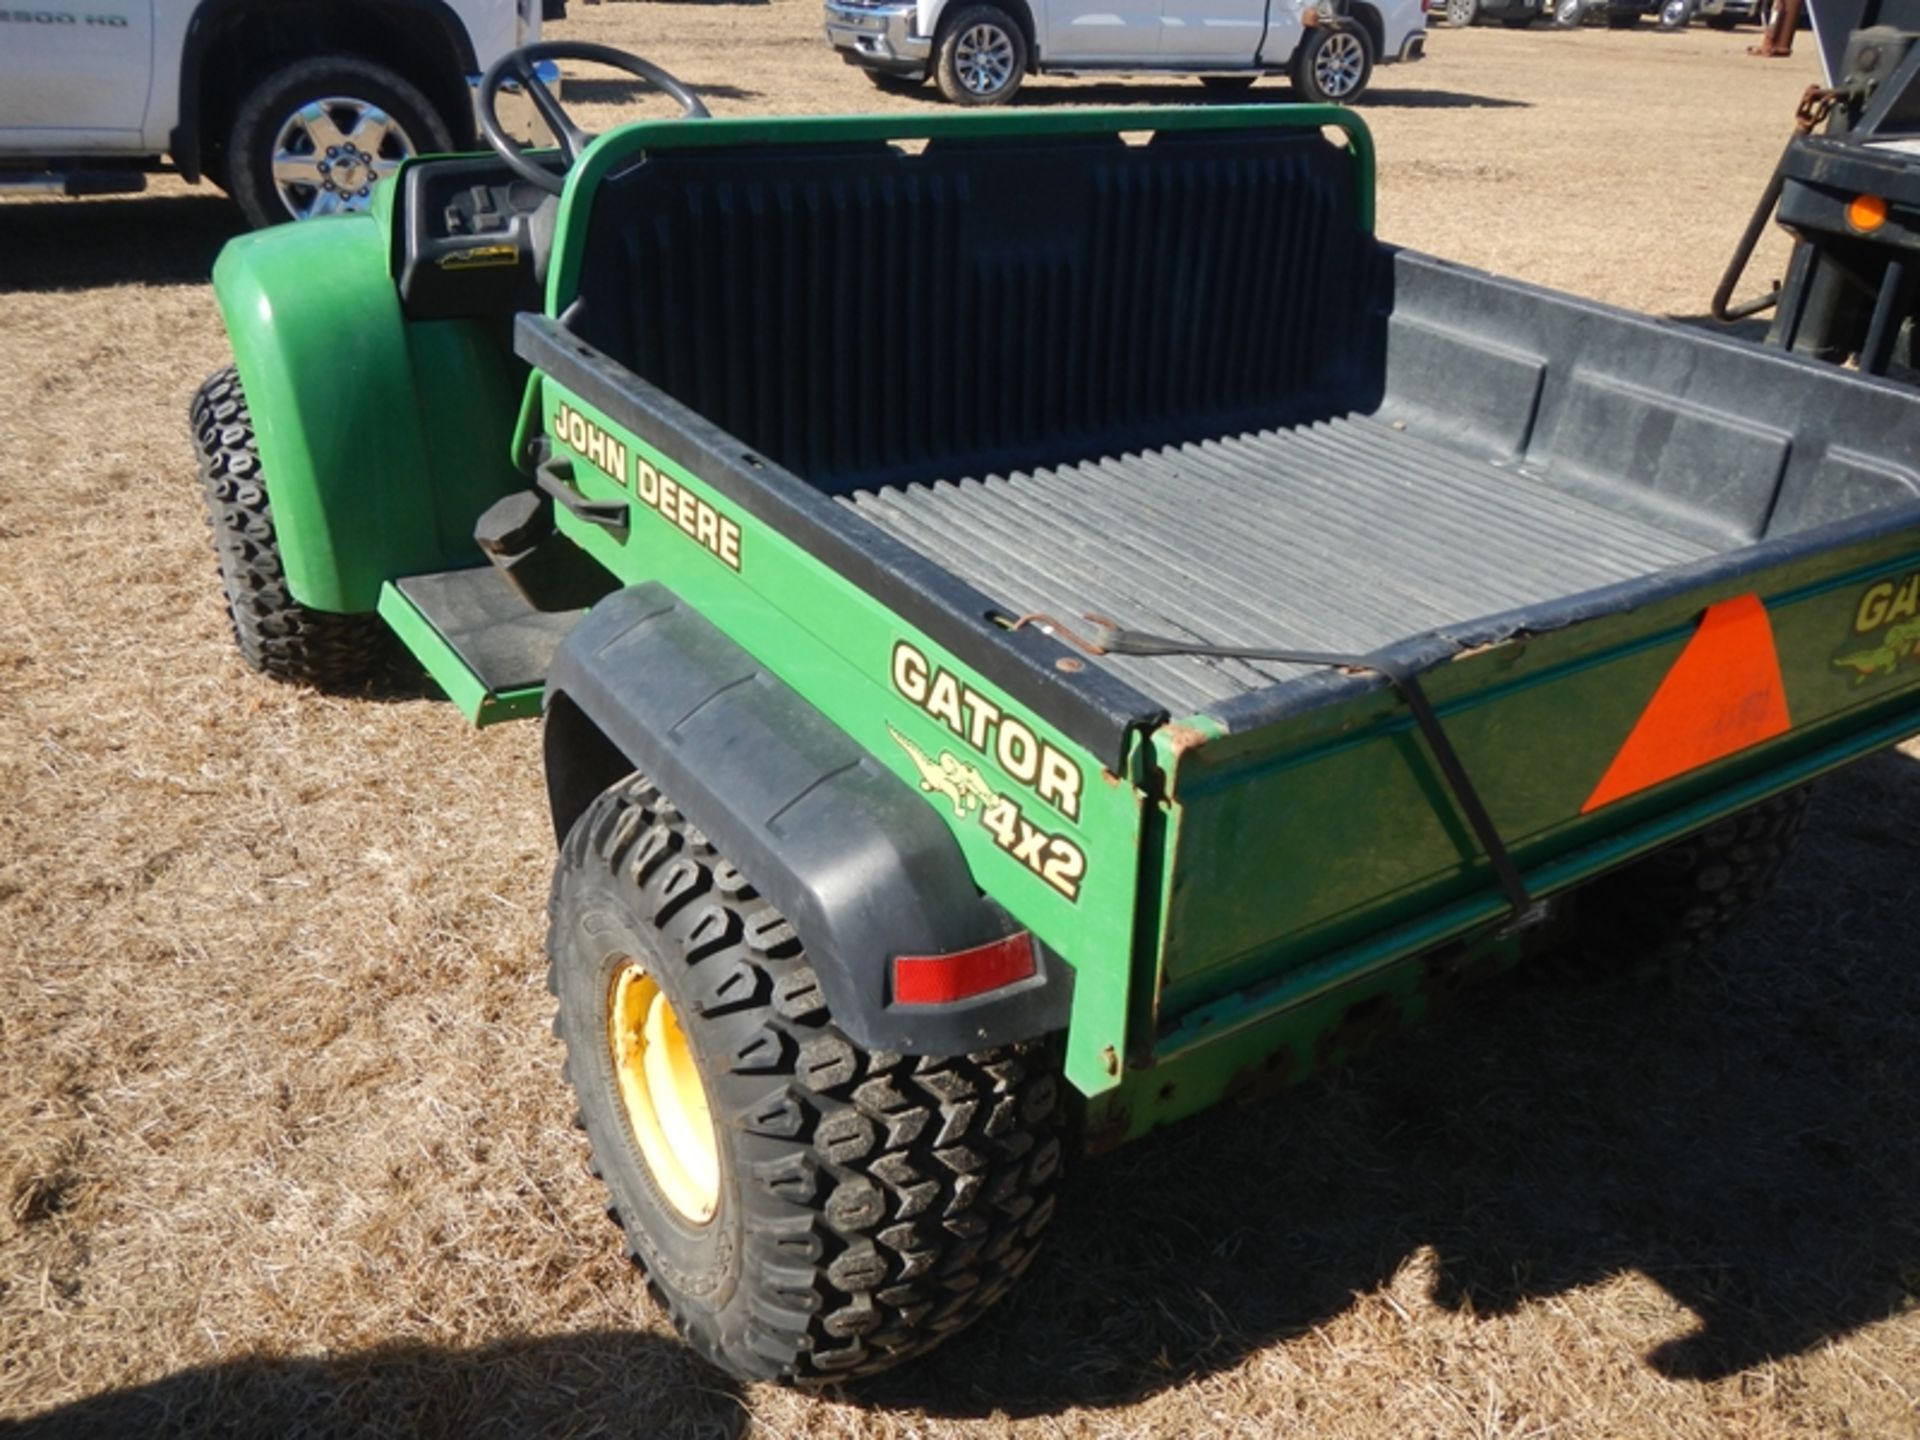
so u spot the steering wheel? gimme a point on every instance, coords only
(518, 65)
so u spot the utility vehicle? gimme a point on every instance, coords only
(1044, 625)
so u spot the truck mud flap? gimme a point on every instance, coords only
(862, 868)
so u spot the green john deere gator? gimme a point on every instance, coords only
(1043, 625)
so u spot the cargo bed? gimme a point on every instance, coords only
(1344, 535)
(1178, 385)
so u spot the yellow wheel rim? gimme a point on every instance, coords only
(661, 1090)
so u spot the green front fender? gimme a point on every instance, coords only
(381, 439)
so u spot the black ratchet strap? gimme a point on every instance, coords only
(1109, 639)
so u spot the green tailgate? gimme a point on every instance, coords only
(1332, 834)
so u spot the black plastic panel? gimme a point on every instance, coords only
(859, 864)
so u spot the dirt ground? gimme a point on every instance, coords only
(284, 1148)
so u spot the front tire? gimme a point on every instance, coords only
(846, 1209)
(982, 57)
(314, 138)
(1333, 65)
(1568, 14)
(1462, 13)
(276, 634)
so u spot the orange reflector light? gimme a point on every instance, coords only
(1723, 694)
(1867, 212)
(942, 979)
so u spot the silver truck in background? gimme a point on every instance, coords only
(979, 51)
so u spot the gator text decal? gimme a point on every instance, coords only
(1886, 630)
(1011, 743)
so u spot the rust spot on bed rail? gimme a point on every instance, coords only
(1182, 738)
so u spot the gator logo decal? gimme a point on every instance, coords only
(965, 788)
(1886, 630)
(1054, 858)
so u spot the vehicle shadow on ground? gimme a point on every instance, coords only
(595, 1383)
(1273, 91)
(604, 91)
(1748, 1140)
(1438, 100)
(130, 240)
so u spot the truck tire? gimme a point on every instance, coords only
(981, 57)
(313, 138)
(1332, 65)
(277, 635)
(1568, 14)
(1648, 920)
(1462, 13)
(805, 1209)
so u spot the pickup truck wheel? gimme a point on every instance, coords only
(982, 57)
(277, 635)
(805, 1209)
(314, 138)
(1651, 918)
(1462, 13)
(1568, 14)
(1333, 65)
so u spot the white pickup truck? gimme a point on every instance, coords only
(295, 107)
(978, 51)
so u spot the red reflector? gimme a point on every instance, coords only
(941, 979)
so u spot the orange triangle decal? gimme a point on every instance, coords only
(1722, 695)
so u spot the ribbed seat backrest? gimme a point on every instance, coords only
(862, 315)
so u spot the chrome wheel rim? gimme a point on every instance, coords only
(1339, 65)
(1459, 12)
(329, 154)
(983, 59)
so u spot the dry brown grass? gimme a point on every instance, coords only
(283, 1144)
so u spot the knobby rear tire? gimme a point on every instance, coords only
(869, 1204)
(1653, 918)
